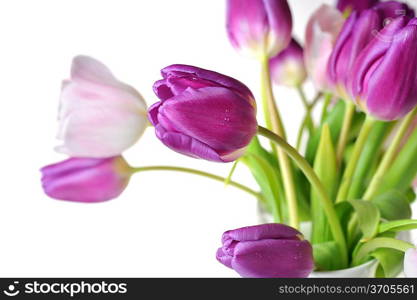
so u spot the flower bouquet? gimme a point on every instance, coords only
(348, 178)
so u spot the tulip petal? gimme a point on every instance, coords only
(259, 232)
(215, 78)
(410, 263)
(391, 91)
(273, 258)
(214, 115)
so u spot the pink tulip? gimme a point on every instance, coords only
(86, 179)
(99, 116)
(321, 33)
(410, 263)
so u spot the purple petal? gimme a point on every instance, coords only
(186, 145)
(216, 116)
(270, 258)
(357, 5)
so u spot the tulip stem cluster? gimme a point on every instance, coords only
(274, 122)
(317, 185)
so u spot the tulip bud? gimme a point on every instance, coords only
(268, 250)
(86, 179)
(384, 77)
(99, 115)
(358, 30)
(287, 68)
(203, 114)
(347, 6)
(410, 263)
(321, 33)
(259, 26)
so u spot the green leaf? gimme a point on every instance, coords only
(404, 168)
(399, 225)
(393, 205)
(326, 169)
(411, 195)
(368, 158)
(390, 262)
(325, 257)
(261, 165)
(368, 217)
(334, 120)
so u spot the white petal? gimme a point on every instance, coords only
(410, 263)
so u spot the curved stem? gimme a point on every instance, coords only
(389, 156)
(353, 160)
(347, 121)
(200, 173)
(327, 99)
(309, 121)
(326, 202)
(273, 120)
(381, 242)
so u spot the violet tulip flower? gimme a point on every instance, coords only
(262, 27)
(347, 6)
(99, 116)
(384, 77)
(287, 68)
(322, 30)
(267, 250)
(203, 114)
(410, 263)
(86, 179)
(357, 32)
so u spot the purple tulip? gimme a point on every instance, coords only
(287, 68)
(268, 250)
(358, 5)
(86, 179)
(357, 32)
(410, 263)
(384, 77)
(260, 26)
(203, 114)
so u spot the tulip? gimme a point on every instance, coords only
(203, 114)
(268, 250)
(99, 115)
(410, 263)
(262, 27)
(322, 30)
(347, 6)
(384, 77)
(287, 68)
(357, 32)
(86, 179)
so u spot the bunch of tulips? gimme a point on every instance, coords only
(350, 174)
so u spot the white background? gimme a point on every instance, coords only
(164, 224)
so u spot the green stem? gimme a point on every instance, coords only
(353, 160)
(327, 98)
(380, 242)
(200, 173)
(347, 121)
(326, 202)
(389, 156)
(274, 122)
(309, 121)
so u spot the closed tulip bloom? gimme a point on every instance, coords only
(410, 263)
(262, 27)
(347, 6)
(322, 30)
(99, 116)
(357, 32)
(268, 250)
(86, 179)
(384, 78)
(287, 68)
(203, 114)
